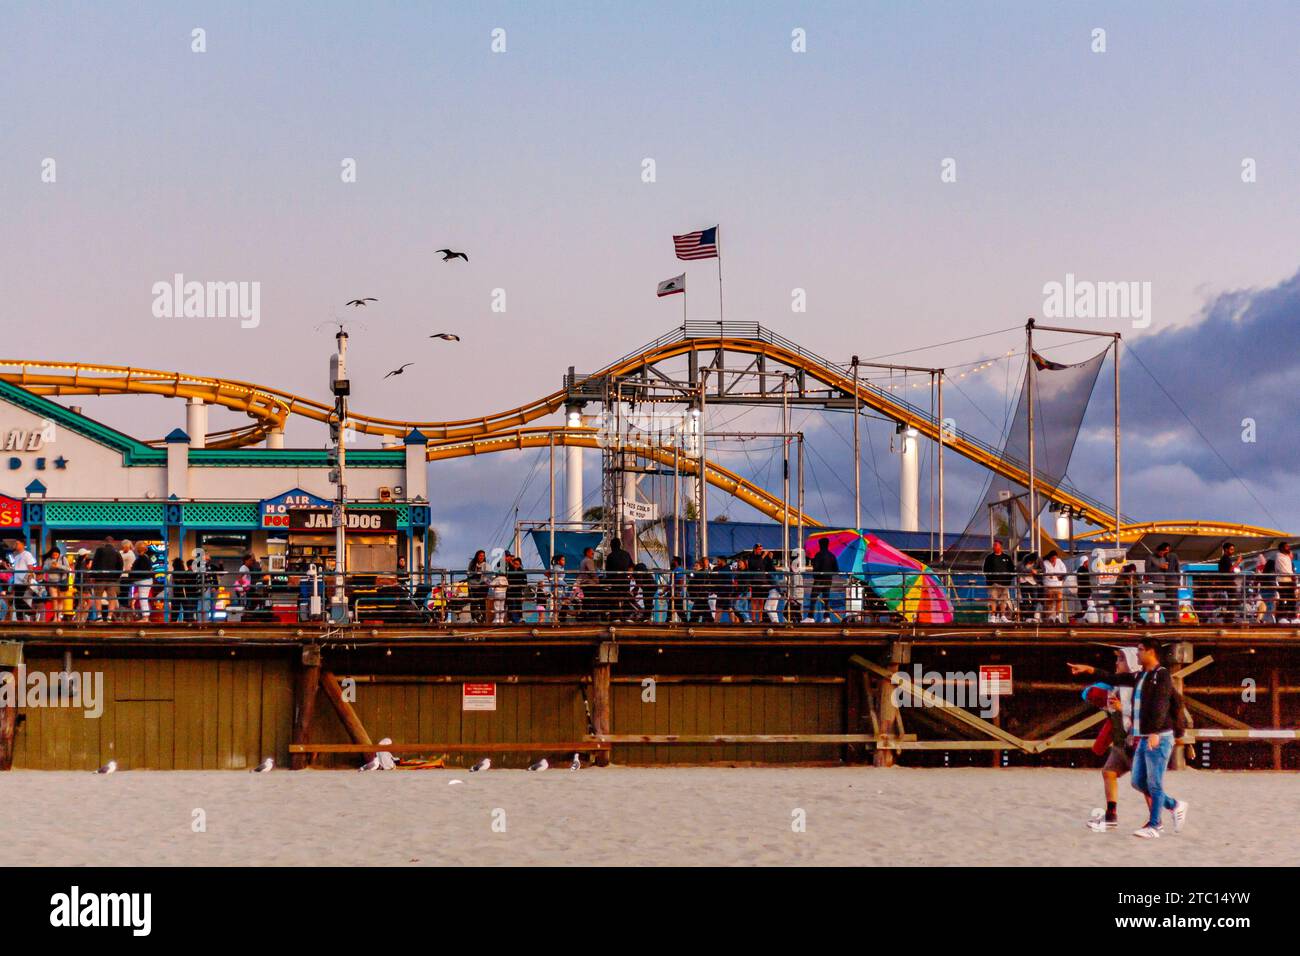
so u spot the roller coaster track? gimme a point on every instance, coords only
(271, 407)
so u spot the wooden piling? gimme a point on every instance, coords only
(854, 696)
(1276, 704)
(601, 697)
(900, 653)
(304, 705)
(8, 718)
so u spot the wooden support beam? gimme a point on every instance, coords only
(721, 739)
(306, 690)
(1216, 715)
(938, 703)
(565, 747)
(1061, 736)
(351, 722)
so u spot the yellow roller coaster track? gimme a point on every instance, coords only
(270, 408)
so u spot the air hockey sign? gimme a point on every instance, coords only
(274, 512)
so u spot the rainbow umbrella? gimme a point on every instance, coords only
(906, 585)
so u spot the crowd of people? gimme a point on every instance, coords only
(124, 581)
(119, 580)
(1034, 589)
(750, 588)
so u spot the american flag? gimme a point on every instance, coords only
(697, 245)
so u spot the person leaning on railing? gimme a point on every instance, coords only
(824, 567)
(1286, 584)
(999, 573)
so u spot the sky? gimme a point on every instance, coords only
(921, 171)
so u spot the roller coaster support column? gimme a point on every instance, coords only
(196, 422)
(275, 438)
(573, 468)
(909, 479)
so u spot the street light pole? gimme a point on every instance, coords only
(341, 388)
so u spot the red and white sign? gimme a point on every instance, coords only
(478, 696)
(11, 512)
(995, 680)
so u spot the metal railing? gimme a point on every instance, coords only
(725, 594)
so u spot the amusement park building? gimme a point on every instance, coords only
(68, 479)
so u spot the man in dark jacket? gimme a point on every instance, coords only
(106, 572)
(1164, 572)
(618, 565)
(999, 572)
(824, 567)
(1154, 719)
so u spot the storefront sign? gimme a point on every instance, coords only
(358, 519)
(478, 696)
(274, 512)
(11, 512)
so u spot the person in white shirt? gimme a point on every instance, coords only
(22, 562)
(1054, 572)
(1284, 568)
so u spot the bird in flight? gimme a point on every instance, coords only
(448, 255)
(445, 336)
(399, 371)
(362, 302)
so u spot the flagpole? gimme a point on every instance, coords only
(718, 237)
(1029, 393)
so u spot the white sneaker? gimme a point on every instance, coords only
(1147, 833)
(1180, 815)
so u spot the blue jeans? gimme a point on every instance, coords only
(1149, 774)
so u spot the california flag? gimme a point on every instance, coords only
(672, 286)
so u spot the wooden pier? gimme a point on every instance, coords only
(214, 697)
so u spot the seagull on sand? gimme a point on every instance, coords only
(446, 336)
(540, 765)
(576, 763)
(448, 255)
(362, 302)
(483, 764)
(109, 767)
(265, 766)
(399, 371)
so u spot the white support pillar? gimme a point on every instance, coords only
(416, 477)
(909, 481)
(178, 464)
(1062, 528)
(572, 469)
(275, 438)
(196, 422)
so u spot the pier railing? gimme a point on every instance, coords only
(730, 595)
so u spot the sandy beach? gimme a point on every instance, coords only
(626, 816)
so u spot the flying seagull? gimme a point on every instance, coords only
(540, 765)
(575, 764)
(448, 255)
(109, 767)
(483, 764)
(446, 336)
(362, 302)
(265, 766)
(399, 371)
